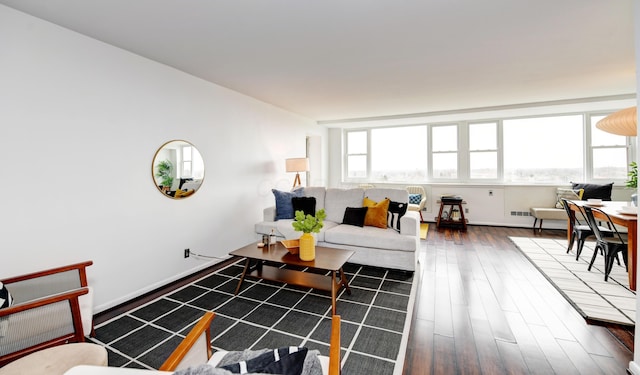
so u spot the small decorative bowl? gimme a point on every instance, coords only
(292, 245)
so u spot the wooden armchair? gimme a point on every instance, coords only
(195, 349)
(48, 309)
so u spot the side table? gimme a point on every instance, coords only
(451, 214)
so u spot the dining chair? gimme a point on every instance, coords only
(610, 246)
(581, 230)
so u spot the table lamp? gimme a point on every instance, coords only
(297, 165)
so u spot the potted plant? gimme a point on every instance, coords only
(308, 224)
(632, 182)
(165, 174)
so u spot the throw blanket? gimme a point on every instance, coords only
(311, 365)
(203, 370)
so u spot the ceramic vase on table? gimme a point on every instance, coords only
(307, 247)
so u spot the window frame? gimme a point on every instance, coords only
(345, 174)
(464, 153)
(589, 148)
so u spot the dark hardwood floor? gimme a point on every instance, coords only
(482, 308)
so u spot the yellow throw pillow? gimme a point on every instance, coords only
(376, 213)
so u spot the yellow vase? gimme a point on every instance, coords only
(307, 247)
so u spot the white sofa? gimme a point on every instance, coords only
(373, 246)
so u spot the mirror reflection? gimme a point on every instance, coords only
(178, 169)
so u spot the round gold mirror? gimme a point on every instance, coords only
(177, 169)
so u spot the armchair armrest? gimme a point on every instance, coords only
(423, 202)
(52, 281)
(40, 323)
(334, 346)
(43, 283)
(194, 349)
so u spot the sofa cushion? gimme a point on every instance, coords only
(376, 213)
(355, 216)
(594, 191)
(284, 206)
(336, 202)
(395, 212)
(304, 204)
(318, 193)
(371, 237)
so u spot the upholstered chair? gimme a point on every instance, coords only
(417, 203)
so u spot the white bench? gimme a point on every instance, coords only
(546, 213)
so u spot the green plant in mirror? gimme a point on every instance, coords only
(165, 173)
(309, 223)
(632, 182)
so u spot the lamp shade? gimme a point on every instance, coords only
(297, 164)
(623, 122)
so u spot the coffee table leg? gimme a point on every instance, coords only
(244, 273)
(344, 282)
(333, 292)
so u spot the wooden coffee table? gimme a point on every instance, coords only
(327, 259)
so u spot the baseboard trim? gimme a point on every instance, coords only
(175, 281)
(634, 368)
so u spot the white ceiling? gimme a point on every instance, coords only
(340, 59)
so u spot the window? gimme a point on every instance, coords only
(543, 149)
(357, 155)
(483, 151)
(444, 143)
(546, 149)
(399, 154)
(608, 153)
(186, 161)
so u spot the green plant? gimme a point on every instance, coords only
(632, 182)
(309, 223)
(165, 173)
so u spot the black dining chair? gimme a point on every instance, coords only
(580, 230)
(610, 246)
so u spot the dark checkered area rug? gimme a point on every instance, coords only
(374, 331)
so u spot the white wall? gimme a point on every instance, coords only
(81, 121)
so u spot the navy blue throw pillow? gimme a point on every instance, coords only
(284, 206)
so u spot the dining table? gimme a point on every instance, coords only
(619, 216)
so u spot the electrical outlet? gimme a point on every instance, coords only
(187, 252)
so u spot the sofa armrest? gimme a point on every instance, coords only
(269, 214)
(410, 224)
